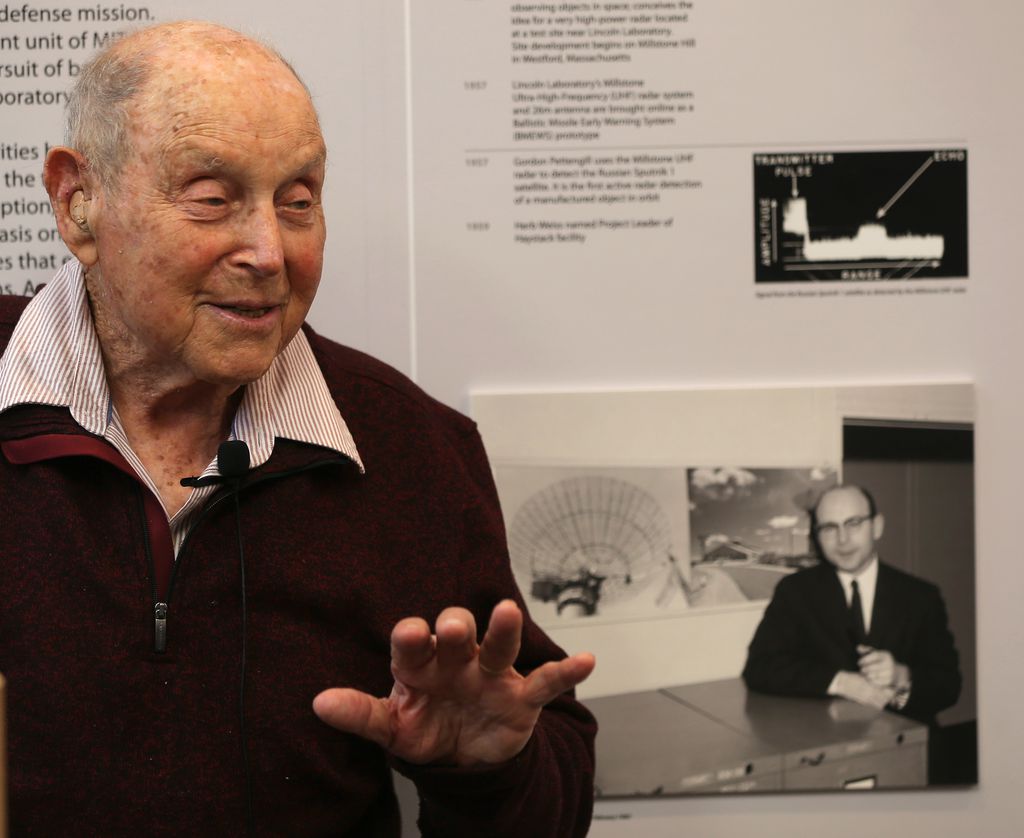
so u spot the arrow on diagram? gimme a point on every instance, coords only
(881, 213)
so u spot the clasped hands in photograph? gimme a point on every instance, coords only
(879, 679)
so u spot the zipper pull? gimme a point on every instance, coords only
(160, 624)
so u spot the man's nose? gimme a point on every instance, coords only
(261, 250)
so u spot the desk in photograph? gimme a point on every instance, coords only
(718, 736)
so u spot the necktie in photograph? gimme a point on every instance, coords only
(857, 616)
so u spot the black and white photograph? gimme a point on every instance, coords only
(598, 543)
(860, 215)
(748, 528)
(614, 543)
(772, 628)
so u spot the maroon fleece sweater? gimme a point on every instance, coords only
(108, 737)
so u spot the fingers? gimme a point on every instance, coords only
(556, 677)
(500, 646)
(869, 656)
(878, 667)
(857, 688)
(454, 643)
(456, 638)
(412, 645)
(877, 698)
(355, 712)
(870, 659)
(874, 672)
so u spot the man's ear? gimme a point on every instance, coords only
(877, 526)
(64, 175)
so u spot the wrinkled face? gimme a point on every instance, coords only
(210, 245)
(846, 530)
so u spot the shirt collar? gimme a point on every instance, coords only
(54, 358)
(866, 579)
(291, 401)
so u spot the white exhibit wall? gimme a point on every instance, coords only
(642, 306)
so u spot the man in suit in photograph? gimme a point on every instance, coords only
(854, 626)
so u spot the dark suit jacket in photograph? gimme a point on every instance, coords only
(805, 638)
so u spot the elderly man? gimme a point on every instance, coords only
(855, 627)
(163, 639)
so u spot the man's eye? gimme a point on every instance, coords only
(296, 198)
(207, 193)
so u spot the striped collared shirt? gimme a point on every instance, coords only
(54, 358)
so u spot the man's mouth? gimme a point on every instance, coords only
(252, 313)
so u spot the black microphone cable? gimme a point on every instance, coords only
(233, 463)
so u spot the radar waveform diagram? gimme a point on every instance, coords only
(860, 215)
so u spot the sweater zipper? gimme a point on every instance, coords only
(161, 608)
(160, 627)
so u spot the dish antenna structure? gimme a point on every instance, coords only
(586, 541)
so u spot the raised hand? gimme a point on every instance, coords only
(455, 702)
